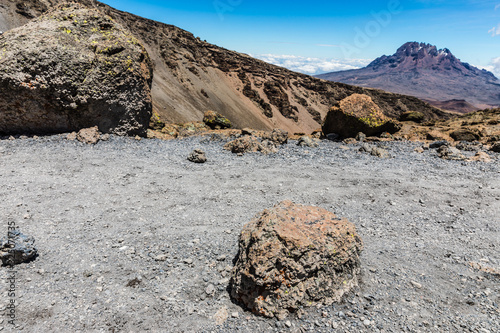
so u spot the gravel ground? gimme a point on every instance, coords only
(132, 237)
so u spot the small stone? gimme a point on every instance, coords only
(88, 135)
(221, 258)
(288, 324)
(197, 156)
(416, 284)
(367, 322)
(188, 261)
(161, 257)
(221, 316)
(210, 289)
(235, 314)
(419, 150)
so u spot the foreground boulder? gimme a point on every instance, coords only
(292, 256)
(17, 248)
(358, 113)
(70, 69)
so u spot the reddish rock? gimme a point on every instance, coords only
(292, 256)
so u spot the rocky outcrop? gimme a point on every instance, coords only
(17, 248)
(215, 120)
(292, 256)
(464, 134)
(74, 68)
(414, 116)
(358, 113)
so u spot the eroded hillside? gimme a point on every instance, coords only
(192, 76)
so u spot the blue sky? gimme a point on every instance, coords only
(318, 36)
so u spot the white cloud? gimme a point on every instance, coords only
(495, 31)
(493, 66)
(312, 66)
(497, 6)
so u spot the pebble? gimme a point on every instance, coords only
(210, 290)
(188, 261)
(288, 324)
(416, 284)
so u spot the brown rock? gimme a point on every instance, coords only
(74, 68)
(215, 120)
(292, 256)
(358, 113)
(88, 135)
(277, 136)
(481, 157)
(249, 144)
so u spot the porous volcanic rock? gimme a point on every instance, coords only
(250, 144)
(17, 248)
(292, 256)
(197, 156)
(88, 135)
(74, 68)
(358, 113)
(278, 136)
(465, 135)
(215, 120)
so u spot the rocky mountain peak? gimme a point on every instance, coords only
(424, 71)
(422, 56)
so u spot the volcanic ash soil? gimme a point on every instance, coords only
(133, 237)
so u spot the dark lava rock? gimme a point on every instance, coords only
(292, 256)
(358, 113)
(215, 120)
(17, 248)
(495, 147)
(74, 68)
(438, 144)
(465, 135)
(197, 156)
(469, 146)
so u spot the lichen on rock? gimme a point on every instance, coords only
(74, 68)
(358, 113)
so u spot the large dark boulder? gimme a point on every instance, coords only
(74, 68)
(293, 256)
(358, 113)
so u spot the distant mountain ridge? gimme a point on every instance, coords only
(424, 71)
